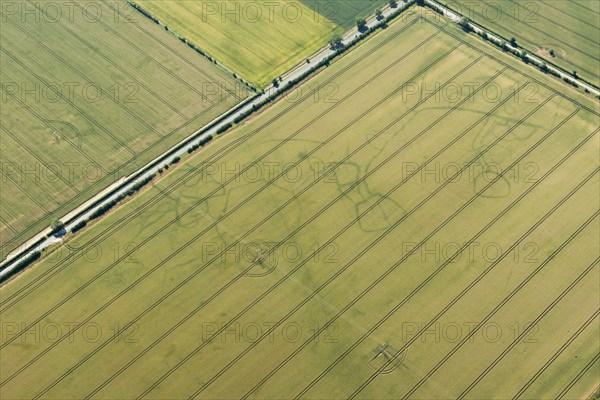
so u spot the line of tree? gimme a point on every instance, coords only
(361, 24)
(336, 42)
(224, 128)
(21, 265)
(56, 226)
(146, 13)
(323, 63)
(79, 226)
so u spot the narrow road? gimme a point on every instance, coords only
(114, 191)
(477, 29)
(122, 186)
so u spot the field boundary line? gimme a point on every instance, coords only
(574, 47)
(527, 75)
(331, 279)
(551, 360)
(546, 4)
(455, 16)
(168, 48)
(156, 62)
(30, 248)
(99, 195)
(297, 75)
(521, 72)
(138, 8)
(371, 20)
(246, 200)
(279, 145)
(341, 232)
(585, 55)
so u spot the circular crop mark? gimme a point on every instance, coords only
(259, 259)
(386, 357)
(500, 188)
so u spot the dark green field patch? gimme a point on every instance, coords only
(343, 12)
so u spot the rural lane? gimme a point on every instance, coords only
(477, 29)
(82, 213)
(122, 186)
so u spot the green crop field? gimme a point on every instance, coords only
(344, 12)
(90, 93)
(570, 28)
(259, 40)
(422, 206)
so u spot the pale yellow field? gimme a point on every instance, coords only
(425, 223)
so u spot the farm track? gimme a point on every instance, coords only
(136, 158)
(395, 34)
(589, 177)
